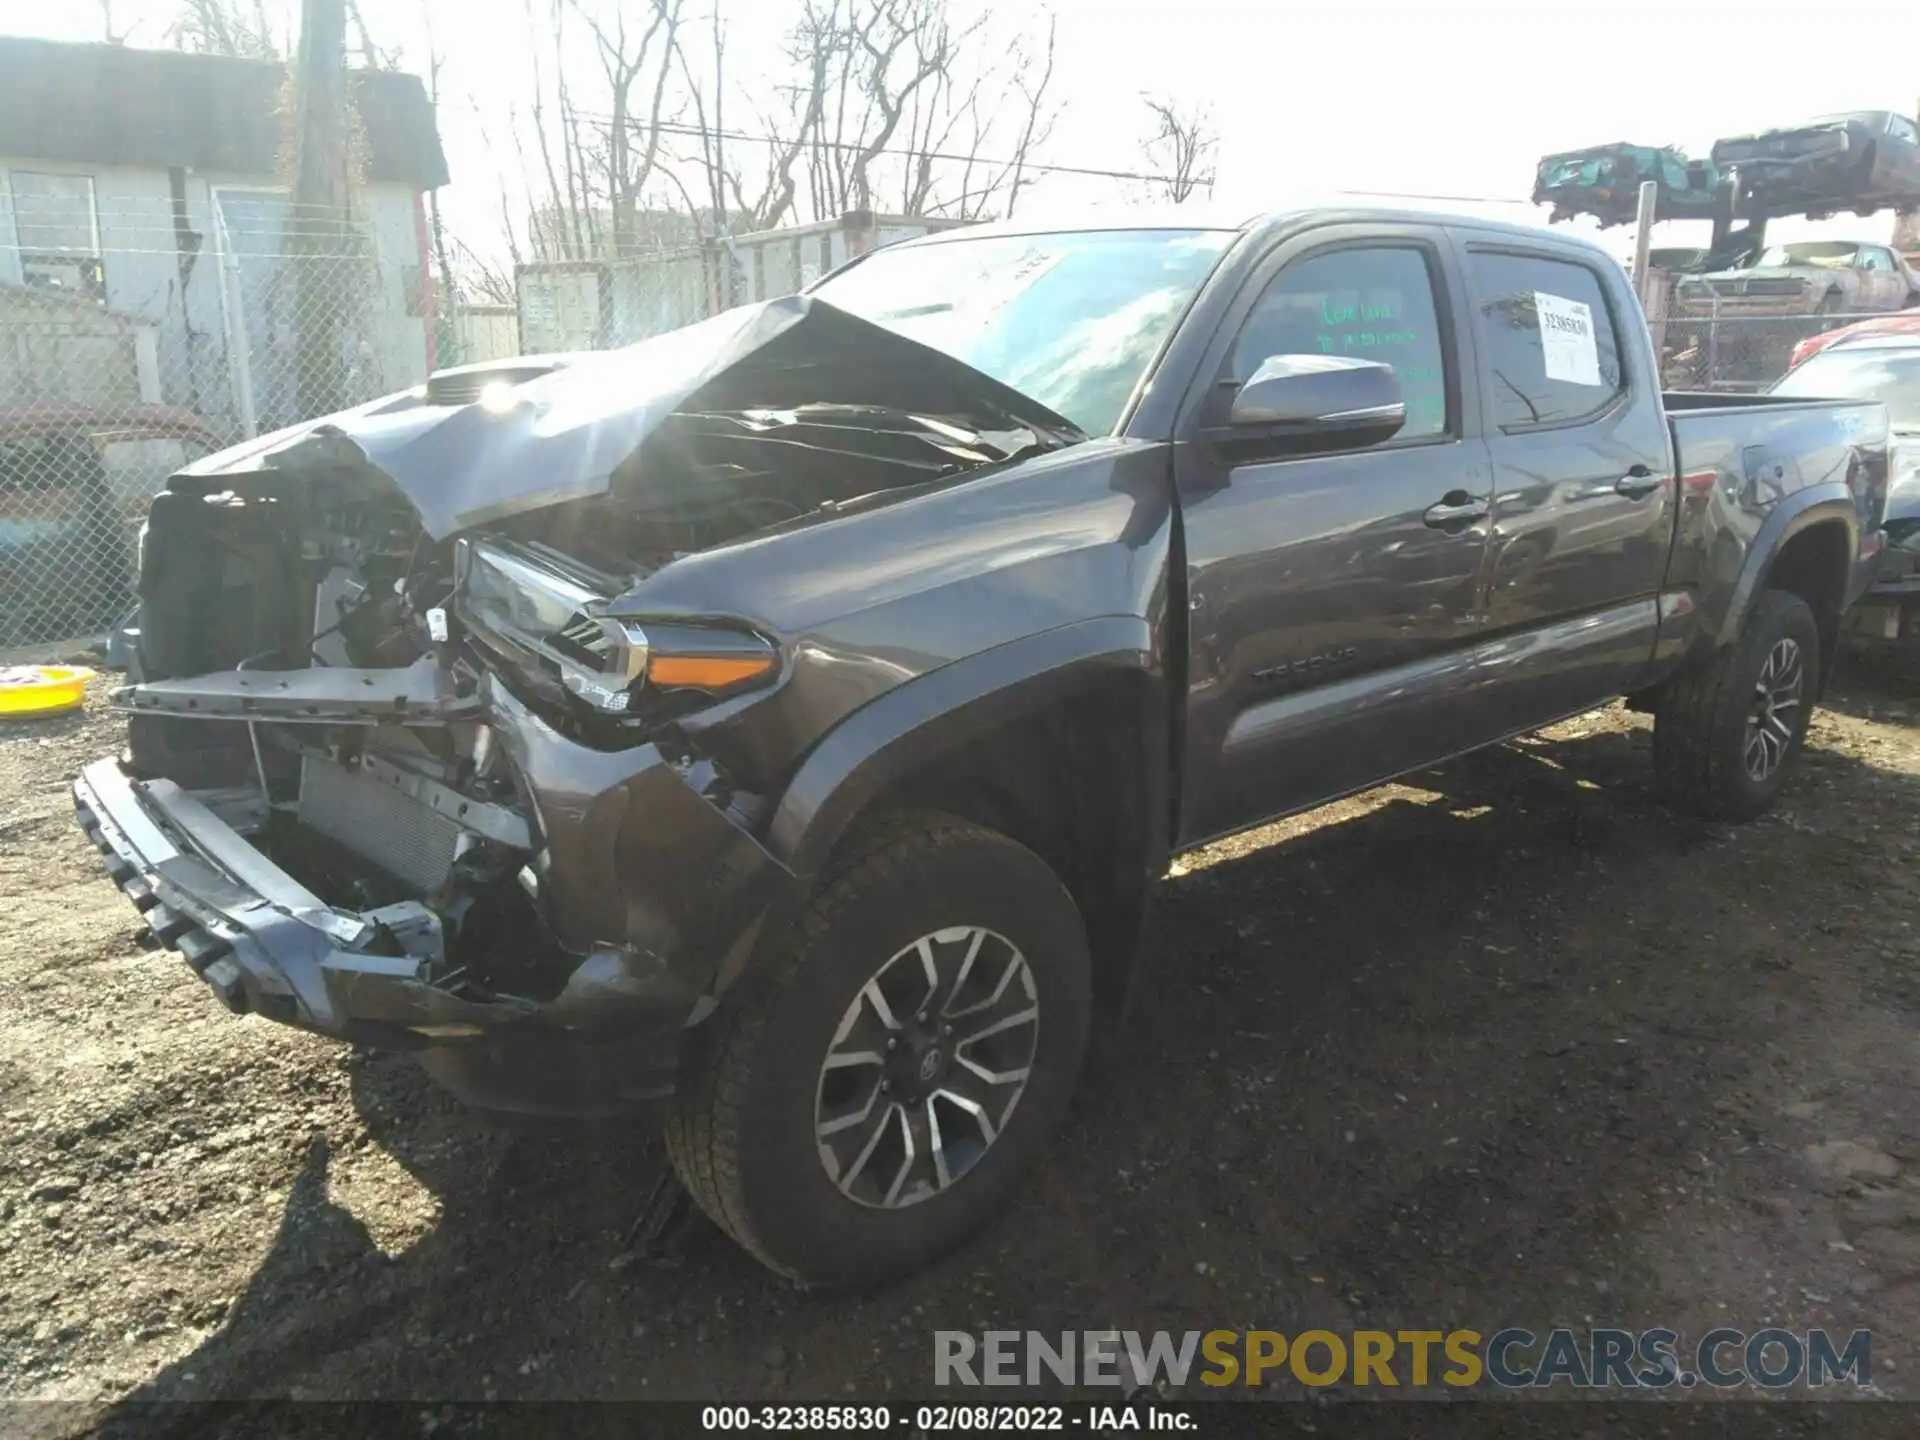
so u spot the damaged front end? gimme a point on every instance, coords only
(396, 774)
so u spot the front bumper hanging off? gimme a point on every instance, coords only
(260, 939)
(659, 893)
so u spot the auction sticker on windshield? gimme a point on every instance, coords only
(1566, 339)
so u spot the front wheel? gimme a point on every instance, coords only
(1725, 733)
(873, 1097)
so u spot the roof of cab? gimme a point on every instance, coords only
(1206, 217)
(1045, 221)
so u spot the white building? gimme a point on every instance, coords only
(151, 183)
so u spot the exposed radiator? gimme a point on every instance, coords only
(408, 840)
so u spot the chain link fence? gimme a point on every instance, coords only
(1738, 354)
(139, 334)
(135, 338)
(601, 305)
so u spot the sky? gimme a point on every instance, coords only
(1454, 101)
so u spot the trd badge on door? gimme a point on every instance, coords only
(1308, 665)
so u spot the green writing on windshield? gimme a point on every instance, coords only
(1374, 327)
(1366, 310)
(1364, 340)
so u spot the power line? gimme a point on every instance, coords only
(1086, 171)
(913, 153)
(667, 127)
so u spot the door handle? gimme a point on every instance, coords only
(1637, 482)
(1456, 509)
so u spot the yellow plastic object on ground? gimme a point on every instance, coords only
(28, 691)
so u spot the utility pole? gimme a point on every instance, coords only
(318, 226)
(1643, 236)
(1652, 287)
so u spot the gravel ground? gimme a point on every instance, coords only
(1508, 1044)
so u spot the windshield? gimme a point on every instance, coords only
(1810, 252)
(1891, 376)
(1072, 320)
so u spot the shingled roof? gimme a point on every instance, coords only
(114, 105)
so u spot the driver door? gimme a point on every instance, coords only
(1333, 597)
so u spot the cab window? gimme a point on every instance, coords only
(1549, 354)
(1372, 303)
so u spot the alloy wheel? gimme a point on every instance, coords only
(926, 1067)
(1775, 710)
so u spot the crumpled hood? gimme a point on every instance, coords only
(576, 433)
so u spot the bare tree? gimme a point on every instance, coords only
(556, 227)
(226, 27)
(892, 98)
(373, 56)
(787, 138)
(1181, 146)
(1024, 95)
(709, 123)
(446, 336)
(510, 219)
(868, 64)
(638, 70)
(636, 133)
(480, 279)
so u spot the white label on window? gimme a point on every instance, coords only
(1566, 339)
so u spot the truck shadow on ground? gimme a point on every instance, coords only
(1421, 1058)
(1876, 682)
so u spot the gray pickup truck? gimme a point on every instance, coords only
(781, 725)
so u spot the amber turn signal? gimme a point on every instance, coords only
(705, 672)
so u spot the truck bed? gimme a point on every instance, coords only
(1750, 467)
(1697, 400)
(1815, 440)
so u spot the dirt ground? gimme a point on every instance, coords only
(1508, 1045)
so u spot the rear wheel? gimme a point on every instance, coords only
(872, 1099)
(1725, 733)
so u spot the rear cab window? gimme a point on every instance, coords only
(1550, 352)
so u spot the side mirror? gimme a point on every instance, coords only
(1323, 400)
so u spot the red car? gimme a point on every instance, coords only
(1907, 322)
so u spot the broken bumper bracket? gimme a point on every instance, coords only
(261, 940)
(608, 1044)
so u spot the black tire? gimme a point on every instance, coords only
(1700, 732)
(741, 1132)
